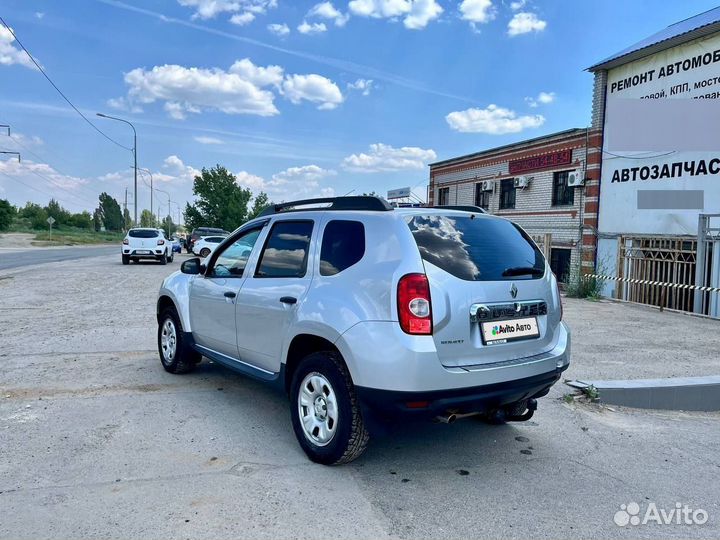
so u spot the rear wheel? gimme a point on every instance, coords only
(176, 354)
(125, 259)
(204, 252)
(325, 412)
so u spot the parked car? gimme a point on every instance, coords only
(176, 245)
(146, 243)
(362, 312)
(199, 233)
(206, 245)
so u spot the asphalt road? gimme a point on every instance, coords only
(98, 441)
(34, 257)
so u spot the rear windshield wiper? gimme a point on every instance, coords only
(523, 271)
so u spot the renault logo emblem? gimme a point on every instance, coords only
(513, 291)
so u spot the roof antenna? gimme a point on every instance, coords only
(349, 192)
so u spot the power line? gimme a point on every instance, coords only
(58, 89)
(26, 185)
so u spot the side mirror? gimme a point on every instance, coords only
(192, 266)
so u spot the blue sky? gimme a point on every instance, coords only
(296, 98)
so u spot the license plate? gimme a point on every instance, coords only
(143, 252)
(510, 330)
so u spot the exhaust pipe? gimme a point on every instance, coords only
(447, 418)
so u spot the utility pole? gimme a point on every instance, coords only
(134, 151)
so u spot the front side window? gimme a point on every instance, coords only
(478, 248)
(443, 196)
(232, 260)
(343, 245)
(563, 195)
(286, 250)
(507, 193)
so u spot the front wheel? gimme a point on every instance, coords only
(163, 259)
(176, 354)
(125, 259)
(204, 252)
(325, 412)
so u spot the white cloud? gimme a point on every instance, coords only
(298, 183)
(493, 120)
(515, 6)
(208, 9)
(311, 28)
(39, 14)
(31, 169)
(279, 29)
(25, 140)
(325, 10)
(362, 85)
(313, 88)
(123, 104)
(259, 76)
(203, 139)
(192, 90)
(176, 170)
(477, 11)
(384, 158)
(523, 23)
(248, 180)
(543, 98)
(9, 54)
(242, 19)
(416, 14)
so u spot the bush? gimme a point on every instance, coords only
(580, 285)
(7, 213)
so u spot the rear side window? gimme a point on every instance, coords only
(139, 233)
(477, 249)
(286, 250)
(343, 245)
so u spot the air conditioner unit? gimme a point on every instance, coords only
(522, 182)
(576, 178)
(488, 185)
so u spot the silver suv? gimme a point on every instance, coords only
(362, 313)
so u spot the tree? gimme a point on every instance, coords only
(260, 203)
(220, 201)
(7, 213)
(127, 219)
(111, 213)
(83, 220)
(35, 214)
(97, 219)
(58, 213)
(147, 219)
(168, 226)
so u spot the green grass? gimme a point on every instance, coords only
(70, 236)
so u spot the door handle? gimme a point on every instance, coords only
(288, 300)
(230, 294)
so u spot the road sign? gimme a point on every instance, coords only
(51, 220)
(398, 193)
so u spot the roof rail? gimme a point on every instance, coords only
(363, 202)
(462, 208)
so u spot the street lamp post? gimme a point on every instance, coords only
(134, 155)
(151, 186)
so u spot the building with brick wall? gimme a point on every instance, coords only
(547, 205)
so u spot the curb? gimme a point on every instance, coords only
(675, 394)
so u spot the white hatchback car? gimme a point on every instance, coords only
(146, 243)
(206, 245)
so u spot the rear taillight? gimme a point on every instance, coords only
(414, 306)
(125, 241)
(161, 242)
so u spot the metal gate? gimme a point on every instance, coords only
(707, 271)
(657, 259)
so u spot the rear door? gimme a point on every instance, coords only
(491, 290)
(143, 240)
(269, 299)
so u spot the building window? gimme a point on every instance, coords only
(443, 196)
(560, 263)
(563, 195)
(507, 194)
(482, 198)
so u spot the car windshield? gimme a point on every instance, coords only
(477, 248)
(143, 233)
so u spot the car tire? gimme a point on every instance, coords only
(204, 252)
(323, 398)
(125, 259)
(171, 258)
(163, 259)
(176, 354)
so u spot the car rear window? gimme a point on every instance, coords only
(140, 233)
(343, 245)
(476, 248)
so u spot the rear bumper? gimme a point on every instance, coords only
(389, 403)
(156, 254)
